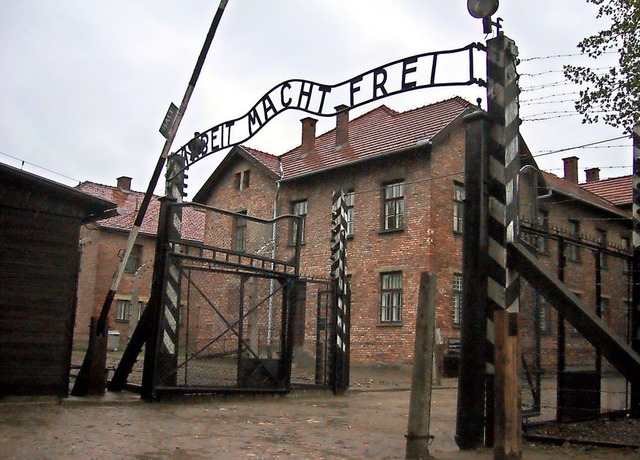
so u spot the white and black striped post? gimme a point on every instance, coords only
(339, 278)
(170, 318)
(635, 297)
(503, 287)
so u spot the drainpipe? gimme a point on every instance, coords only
(272, 286)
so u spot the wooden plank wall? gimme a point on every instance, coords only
(38, 267)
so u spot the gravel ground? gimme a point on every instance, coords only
(369, 422)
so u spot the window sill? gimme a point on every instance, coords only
(391, 230)
(121, 320)
(391, 324)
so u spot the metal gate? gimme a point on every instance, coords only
(318, 360)
(222, 309)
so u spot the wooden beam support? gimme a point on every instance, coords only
(593, 329)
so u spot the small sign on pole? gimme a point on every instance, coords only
(169, 120)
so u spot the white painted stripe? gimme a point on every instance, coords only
(168, 344)
(172, 295)
(497, 252)
(171, 321)
(497, 210)
(496, 292)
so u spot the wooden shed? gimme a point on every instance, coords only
(39, 258)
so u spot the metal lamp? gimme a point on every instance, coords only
(482, 8)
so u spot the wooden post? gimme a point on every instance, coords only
(503, 289)
(474, 349)
(418, 437)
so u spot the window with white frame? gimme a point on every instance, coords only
(458, 206)
(391, 297)
(457, 298)
(299, 208)
(394, 205)
(123, 312)
(350, 202)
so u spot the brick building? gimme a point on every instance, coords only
(102, 244)
(403, 175)
(593, 220)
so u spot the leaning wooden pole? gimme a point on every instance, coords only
(418, 437)
(503, 284)
(80, 385)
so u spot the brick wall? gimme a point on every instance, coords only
(98, 263)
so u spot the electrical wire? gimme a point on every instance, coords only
(40, 167)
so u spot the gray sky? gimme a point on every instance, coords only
(84, 85)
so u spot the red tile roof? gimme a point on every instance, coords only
(578, 192)
(618, 190)
(377, 132)
(272, 162)
(129, 202)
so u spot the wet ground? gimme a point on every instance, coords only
(369, 422)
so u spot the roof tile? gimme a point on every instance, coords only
(377, 132)
(618, 190)
(129, 202)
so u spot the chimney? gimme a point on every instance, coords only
(124, 183)
(571, 169)
(308, 136)
(342, 125)
(593, 174)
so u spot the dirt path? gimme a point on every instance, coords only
(368, 423)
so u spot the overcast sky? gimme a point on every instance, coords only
(84, 85)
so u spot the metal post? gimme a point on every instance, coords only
(473, 347)
(503, 284)
(635, 293)
(418, 437)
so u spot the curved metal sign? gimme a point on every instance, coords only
(415, 72)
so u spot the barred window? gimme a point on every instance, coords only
(391, 297)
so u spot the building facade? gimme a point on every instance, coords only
(402, 174)
(102, 245)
